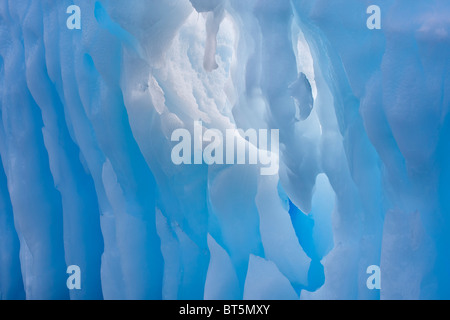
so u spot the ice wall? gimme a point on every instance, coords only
(86, 175)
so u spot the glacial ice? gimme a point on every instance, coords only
(86, 176)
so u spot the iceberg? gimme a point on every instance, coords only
(358, 92)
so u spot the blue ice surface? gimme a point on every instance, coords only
(87, 179)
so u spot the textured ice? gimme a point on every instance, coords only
(86, 176)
